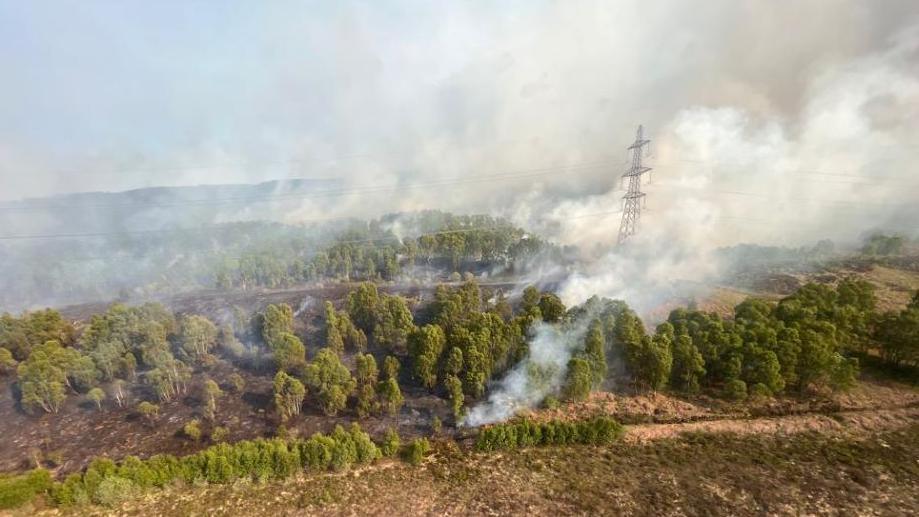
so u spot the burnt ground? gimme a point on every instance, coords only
(67, 441)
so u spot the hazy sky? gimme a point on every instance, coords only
(111, 95)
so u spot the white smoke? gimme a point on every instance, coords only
(539, 375)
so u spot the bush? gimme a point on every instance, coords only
(219, 434)
(416, 451)
(391, 443)
(114, 490)
(106, 483)
(525, 433)
(17, 490)
(735, 389)
(192, 429)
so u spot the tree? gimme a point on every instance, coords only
(97, 396)
(333, 336)
(394, 324)
(688, 365)
(454, 363)
(363, 305)
(417, 450)
(391, 443)
(192, 429)
(595, 353)
(7, 361)
(330, 381)
(578, 379)
(391, 398)
(237, 383)
(288, 351)
(149, 411)
(391, 367)
(41, 382)
(650, 365)
(366, 400)
(425, 345)
(367, 372)
(212, 392)
(455, 393)
(276, 321)
(118, 392)
(198, 336)
(367, 377)
(529, 302)
(551, 308)
(288, 395)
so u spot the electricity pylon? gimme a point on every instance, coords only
(634, 197)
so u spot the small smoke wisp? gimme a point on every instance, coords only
(533, 379)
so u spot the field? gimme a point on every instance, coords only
(852, 469)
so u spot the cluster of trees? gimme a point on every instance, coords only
(898, 335)
(325, 379)
(110, 350)
(372, 251)
(802, 341)
(526, 433)
(466, 343)
(881, 244)
(17, 490)
(105, 482)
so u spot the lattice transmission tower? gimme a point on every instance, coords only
(634, 197)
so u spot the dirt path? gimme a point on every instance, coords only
(846, 422)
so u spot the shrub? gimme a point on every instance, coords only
(107, 483)
(17, 490)
(192, 429)
(525, 433)
(416, 450)
(735, 389)
(391, 443)
(114, 490)
(219, 434)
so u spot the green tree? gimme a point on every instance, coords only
(688, 365)
(455, 393)
(276, 321)
(578, 379)
(425, 345)
(594, 350)
(198, 336)
(330, 381)
(149, 411)
(212, 392)
(551, 308)
(288, 351)
(288, 395)
(97, 396)
(390, 396)
(192, 429)
(391, 367)
(391, 443)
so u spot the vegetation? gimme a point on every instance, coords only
(105, 482)
(525, 433)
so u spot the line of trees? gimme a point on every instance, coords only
(527, 433)
(374, 252)
(810, 339)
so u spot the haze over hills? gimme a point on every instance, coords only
(155, 208)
